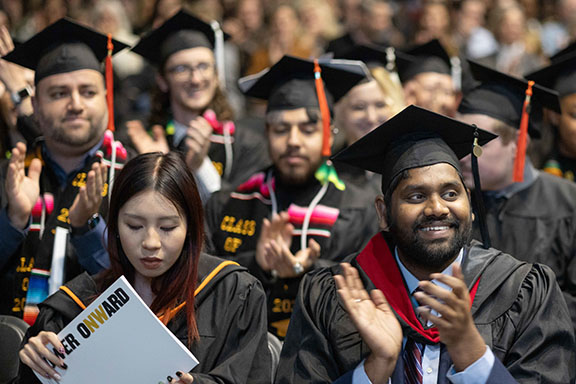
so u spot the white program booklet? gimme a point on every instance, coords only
(117, 339)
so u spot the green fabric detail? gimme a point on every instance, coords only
(327, 173)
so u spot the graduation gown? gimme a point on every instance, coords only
(233, 345)
(365, 180)
(518, 310)
(249, 153)
(341, 223)
(538, 225)
(35, 250)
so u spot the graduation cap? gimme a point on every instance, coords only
(290, 83)
(429, 57)
(415, 138)
(516, 102)
(560, 75)
(294, 83)
(62, 47)
(67, 46)
(183, 31)
(374, 56)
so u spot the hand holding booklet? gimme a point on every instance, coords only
(118, 339)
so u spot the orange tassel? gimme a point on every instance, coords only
(110, 84)
(324, 111)
(520, 160)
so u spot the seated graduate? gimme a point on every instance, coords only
(367, 105)
(295, 215)
(46, 189)
(429, 78)
(441, 308)
(190, 111)
(155, 239)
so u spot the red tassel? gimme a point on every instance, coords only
(518, 176)
(110, 84)
(324, 111)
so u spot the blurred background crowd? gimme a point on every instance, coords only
(512, 36)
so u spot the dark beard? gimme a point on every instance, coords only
(93, 135)
(432, 254)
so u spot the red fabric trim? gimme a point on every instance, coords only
(379, 264)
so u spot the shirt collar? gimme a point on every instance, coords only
(180, 131)
(57, 169)
(412, 281)
(530, 176)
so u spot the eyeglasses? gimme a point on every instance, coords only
(185, 71)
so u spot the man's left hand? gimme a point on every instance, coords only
(283, 261)
(454, 320)
(87, 202)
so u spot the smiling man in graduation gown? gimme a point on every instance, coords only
(190, 111)
(297, 214)
(440, 305)
(58, 188)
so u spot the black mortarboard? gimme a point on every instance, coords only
(560, 75)
(413, 138)
(62, 47)
(429, 57)
(374, 56)
(289, 84)
(502, 96)
(181, 31)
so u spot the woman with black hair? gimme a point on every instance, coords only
(155, 239)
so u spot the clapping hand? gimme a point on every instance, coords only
(198, 142)
(454, 319)
(143, 142)
(22, 190)
(89, 198)
(278, 229)
(374, 320)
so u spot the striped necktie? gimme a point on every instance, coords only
(412, 357)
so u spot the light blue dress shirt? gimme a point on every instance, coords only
(477, 373)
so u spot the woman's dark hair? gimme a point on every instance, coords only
(168, 175)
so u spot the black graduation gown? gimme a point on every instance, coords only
(538, 225)
(518, 309)
(234, 222)
(233, 345)
(34, 252)
(249, 153)
(360, 177)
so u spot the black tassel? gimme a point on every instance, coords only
(479, 202)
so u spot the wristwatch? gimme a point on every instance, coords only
(298, 268)
(90, 225)
(19, 96)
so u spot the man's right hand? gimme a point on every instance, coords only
(374, 320)
(198, 142)
(278, 229)
(22, 190)
(142, 140)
